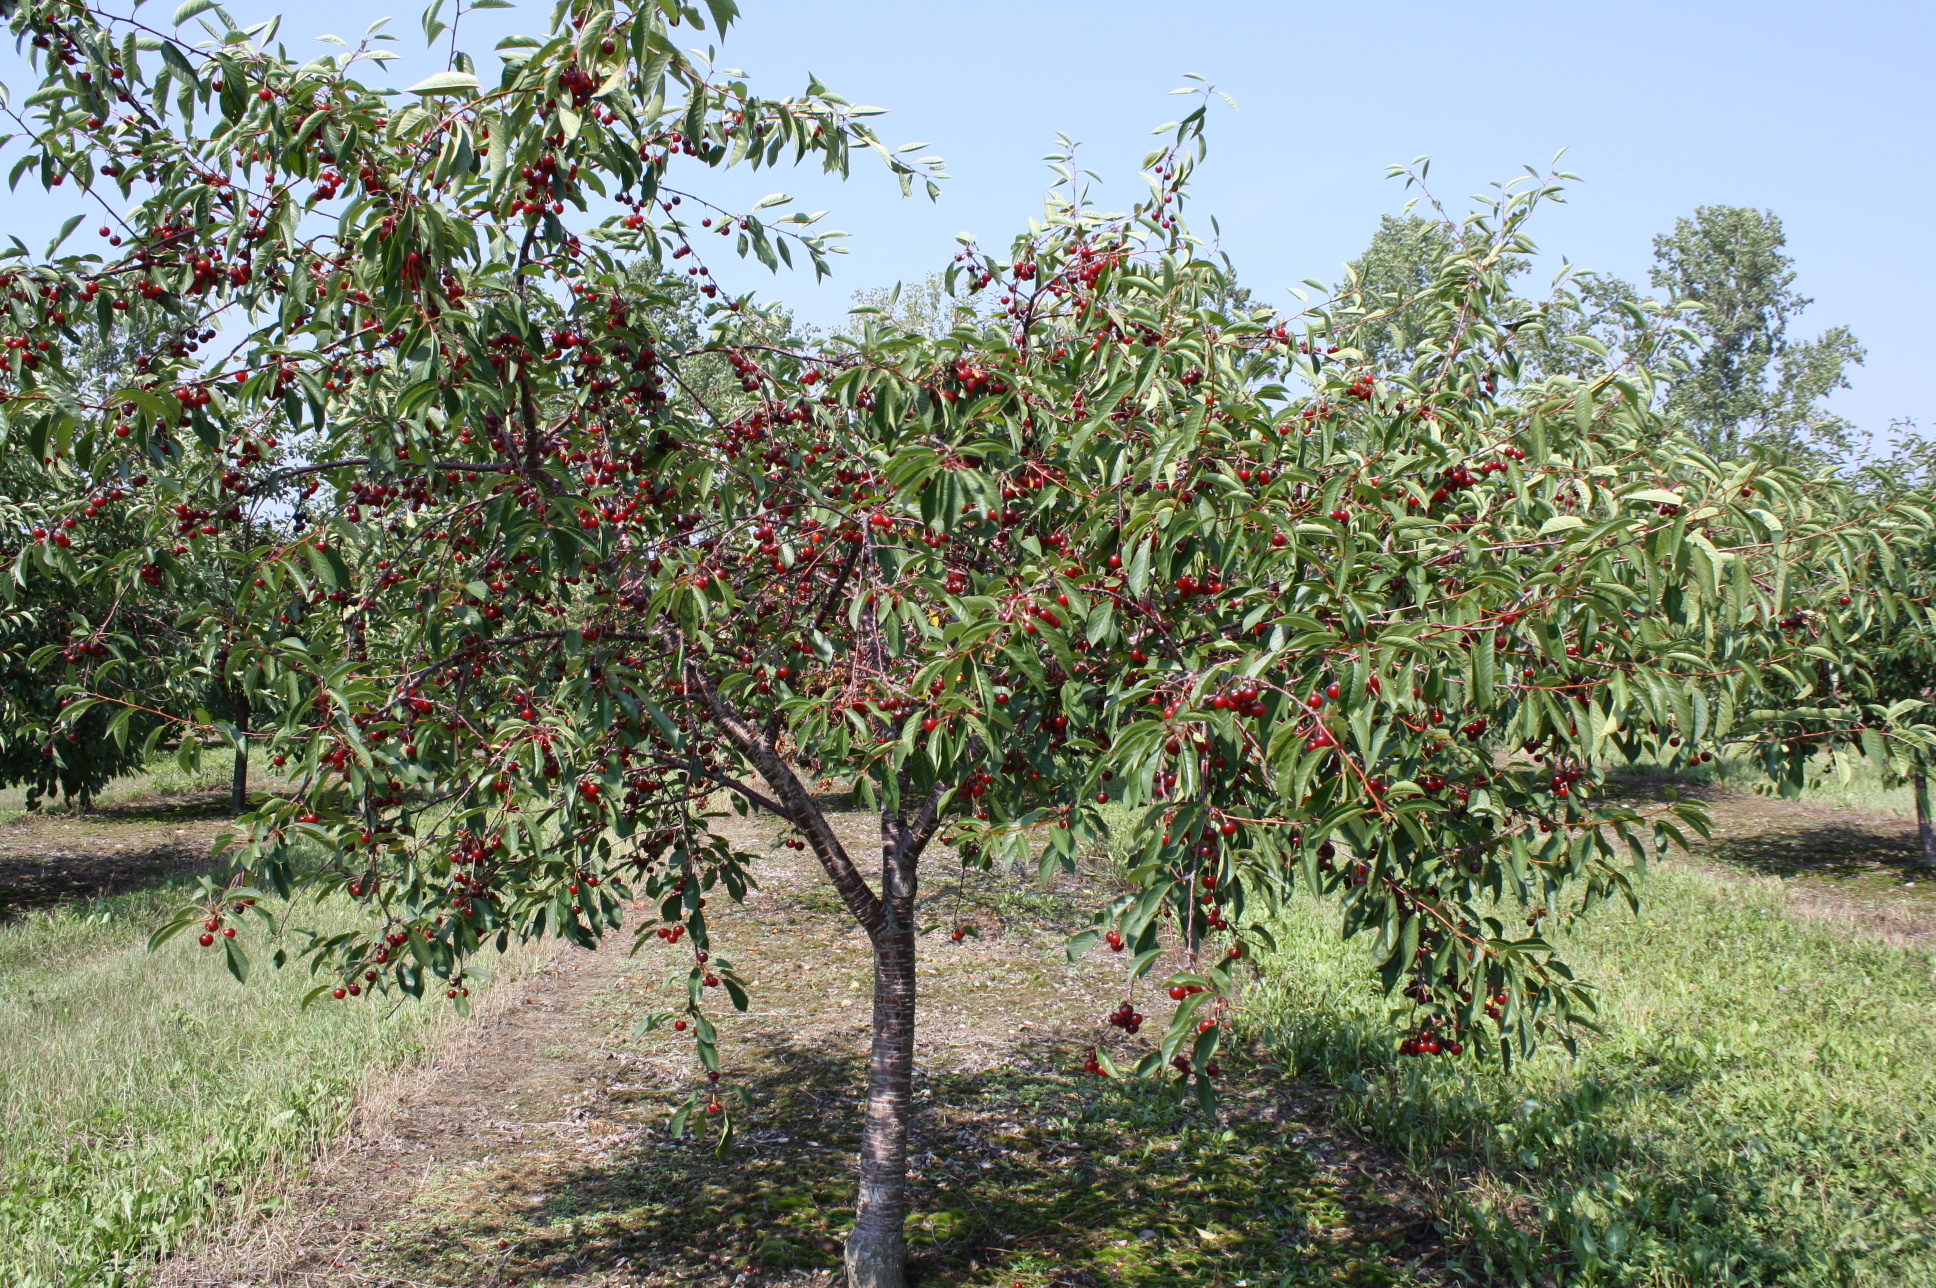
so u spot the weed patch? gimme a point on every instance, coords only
(1760, 1109)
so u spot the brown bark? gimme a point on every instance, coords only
(876, 1252)
(1925, 829)
(239, 779)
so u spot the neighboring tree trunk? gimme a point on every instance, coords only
(239, 782)
(1925, 829)
(876, 1253)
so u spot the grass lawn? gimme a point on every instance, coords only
(142, 1095)
(1761, 1108)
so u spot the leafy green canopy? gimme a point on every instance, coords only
(535, 595)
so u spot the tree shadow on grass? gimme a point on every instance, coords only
(87, 855)
(52, 878)
(1026, 1174)
(1775, 838)
(1827, 850)
(193, 807)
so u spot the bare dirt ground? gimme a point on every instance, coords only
(1840, 866)
(535, 1152)
(54, 858)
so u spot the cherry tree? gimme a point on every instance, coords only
(541, 575)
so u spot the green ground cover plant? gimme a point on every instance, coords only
(1758, 1109)
(141, 1099)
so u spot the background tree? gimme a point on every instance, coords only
(50, 611)
(1397, 283)
(925, 308)
(1751, 384)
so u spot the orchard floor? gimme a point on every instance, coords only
(532, 1151)
(1845, 866)
(57, 857)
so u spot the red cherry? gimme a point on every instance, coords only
(207, 939)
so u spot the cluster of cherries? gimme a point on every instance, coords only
(1428, 1042)
(1126, 1017)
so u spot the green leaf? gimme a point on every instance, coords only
(192, 8)
(449, 82)
(1561, 523)
(167, 932)
(73, 222)
(238, 961)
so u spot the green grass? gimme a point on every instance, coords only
(1760, 1110)
(162, 776)
(1839, 780)
(145, 1095)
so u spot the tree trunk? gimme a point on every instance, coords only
(876, 1252)
(1924, 828)
(239, 781)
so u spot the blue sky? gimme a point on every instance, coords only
(1820, 113)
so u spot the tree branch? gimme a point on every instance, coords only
(295, 471)
(805, 813)
(766, 803)
(820, 619)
